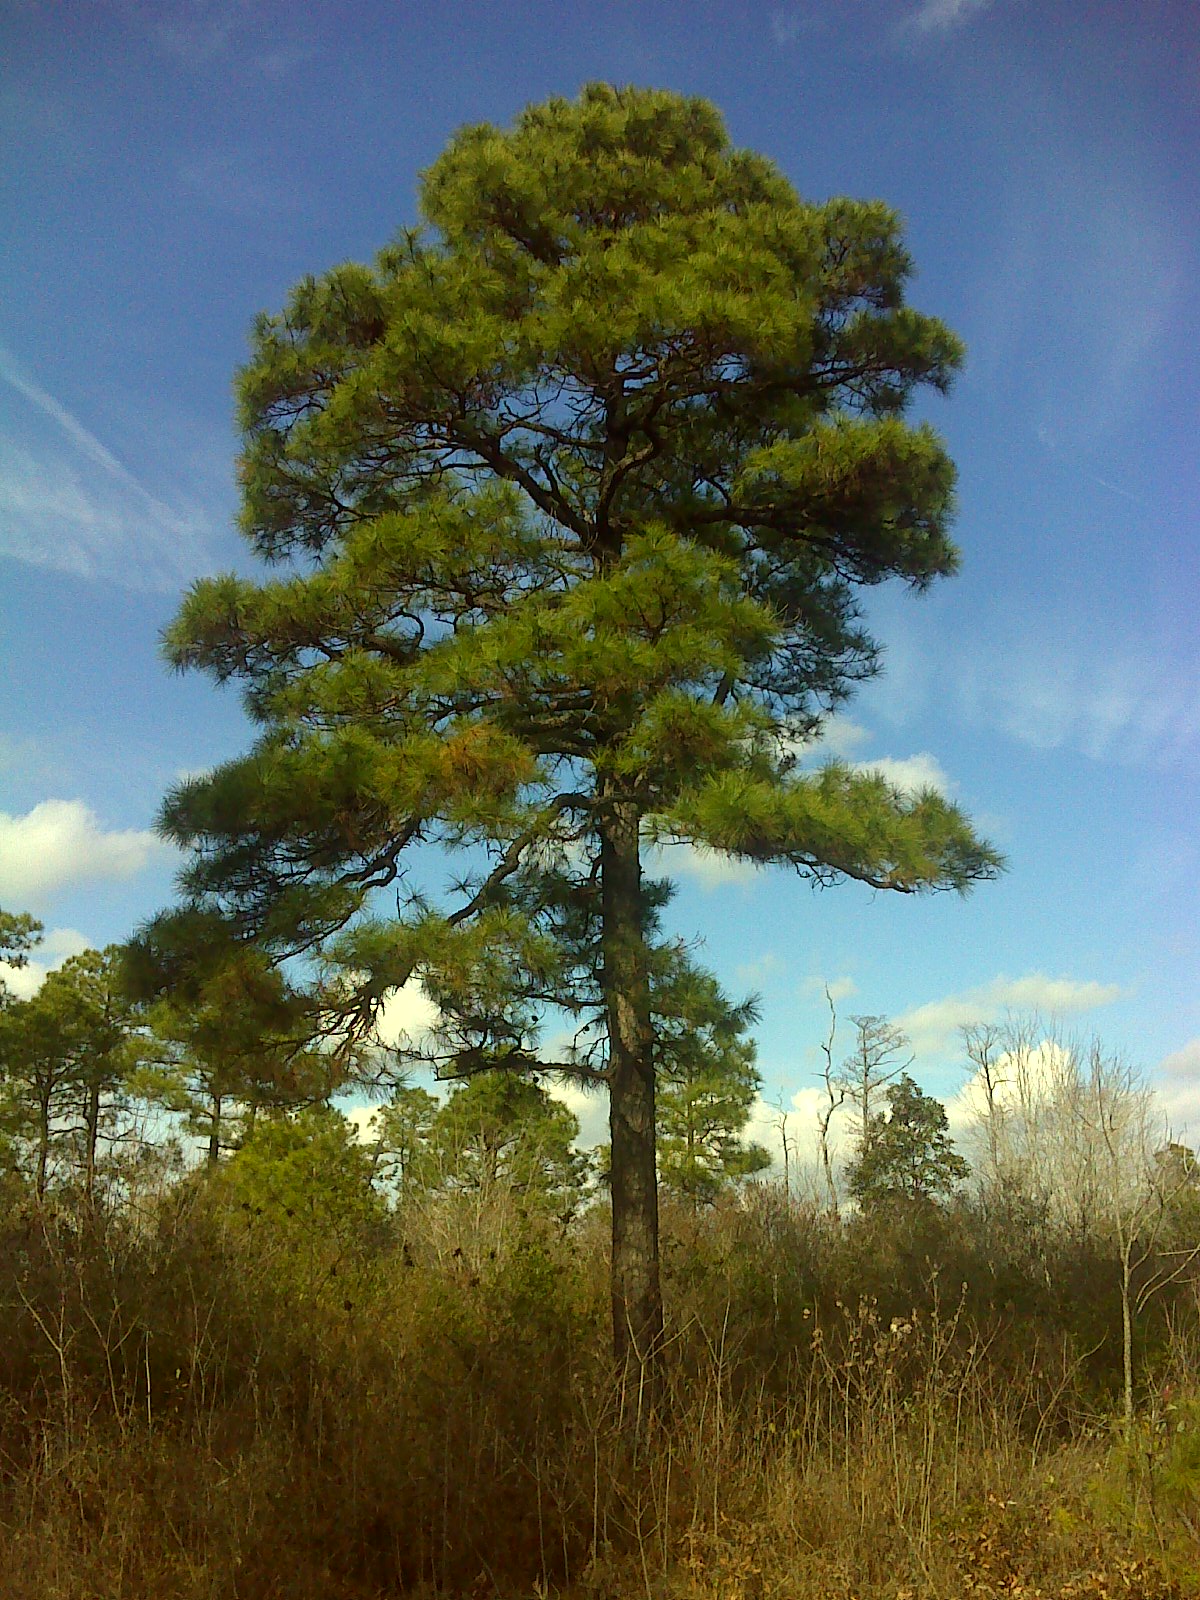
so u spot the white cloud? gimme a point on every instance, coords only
(837, 740)
(841, 739)
(362, 1121)
(761, 970)
(910, 774)
(591, 1108)
(933, 1028)
(708, 868)
(1052, 689)
(61, 843)
(1176, 1082)
(836, 988)
(1029, 1077)
(68, 503)
(938, 16)
(56, 946)
(407, 1018)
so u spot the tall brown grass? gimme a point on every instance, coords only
(199, 1400)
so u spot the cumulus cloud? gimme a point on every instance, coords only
(61, 843)
(1176, 1082)
(24, 982)
(842, 739)
(1025, 1078)
(362, 1120)
(407, 1018)
(707, 868)
(933, 1028)
(590, 1106)
(910, 774)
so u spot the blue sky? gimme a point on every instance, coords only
(169, 170)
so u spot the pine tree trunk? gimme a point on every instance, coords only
(92, 1140)
(214, 1132)
(636, 1289)
(43, 1149)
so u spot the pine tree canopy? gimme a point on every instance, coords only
(568, 498)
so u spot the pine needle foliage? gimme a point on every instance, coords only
(568, 500)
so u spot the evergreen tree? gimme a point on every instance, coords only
(229, 1049)
(66, 1056)
(404, 1143)
(501, 1130)
(19, 934)
(707, 1083)
(568, 499)
(906, 1154)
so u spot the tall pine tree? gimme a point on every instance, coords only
(568, 499)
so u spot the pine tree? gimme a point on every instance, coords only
(568, 499)
(67, 1055)
(235, 1045)
(707, 1084)
(502, 1130)
(19, 933)
(907, 1153)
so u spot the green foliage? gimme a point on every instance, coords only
(238, 1044)
(19, 933)
(907, 1153)
(404, 1153)
(496, 1133)
(576, 486)
(307, 1181)
(67, 1057)
(707, 1084)
(569, 499)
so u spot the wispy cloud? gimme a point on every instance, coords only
(1087, 266)
(791, 23)
(759, 971)
(836, 988)
(231, 181)
(209, 33)
(1052, 689)
(62, 843)
(933, 1028)
(939, 16)
(67, 502)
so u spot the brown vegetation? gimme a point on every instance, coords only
(206, 1396)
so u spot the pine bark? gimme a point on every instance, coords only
(636, 1288)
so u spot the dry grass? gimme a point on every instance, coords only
(199, 1404)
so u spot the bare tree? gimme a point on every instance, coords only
(1143, 1185)
(1075, 1128)
(881, 1053)
(836, 1091)
(986, 1050)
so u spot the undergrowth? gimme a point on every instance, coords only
(205, 1398)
